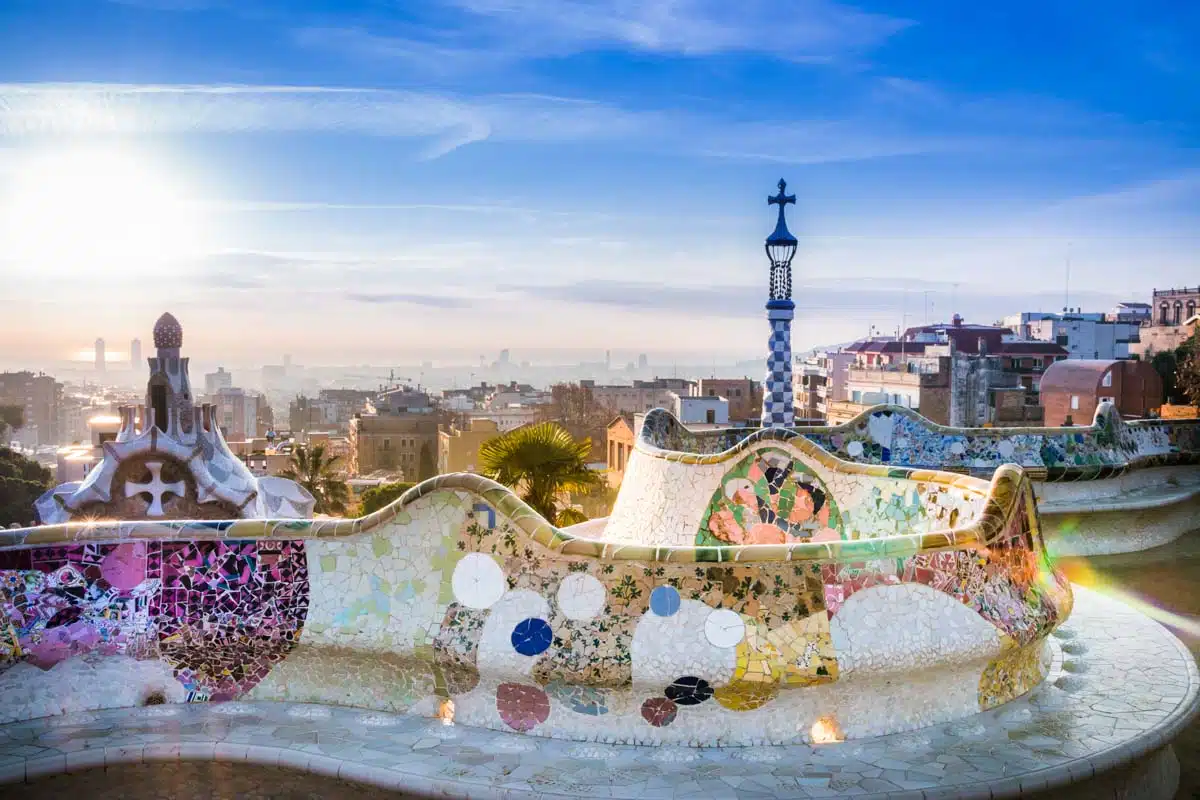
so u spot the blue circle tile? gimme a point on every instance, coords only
(532, 636)
(664, 601)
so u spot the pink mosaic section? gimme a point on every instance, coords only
(221, 613)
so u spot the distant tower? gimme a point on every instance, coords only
(777, 410)
(99, 355)
(135, 354)
(504, 357)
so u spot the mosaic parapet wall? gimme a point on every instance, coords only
(459, 591)
(1109, 487)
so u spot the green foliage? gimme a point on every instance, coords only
(11, 418)
(317, 473)
(382, 495)
(1165, 365)
(570, 516)
(540, 462)
(22, 481)
(1188, 378)
(426, 466)
(1171, 366)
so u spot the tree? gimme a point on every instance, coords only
(22, 482)
(382, 495)
(1170, 365)
(11, 418)
(1165, 365)
(575, 408)
(540, 462)
(315, 471)
(426, 466)
(1188, 378)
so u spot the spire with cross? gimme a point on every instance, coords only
(782, 199)
(778, 403)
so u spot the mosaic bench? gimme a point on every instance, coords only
(893, 599)
(1110, 487)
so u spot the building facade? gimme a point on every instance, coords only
(40, 399)
(619, 438)
(216, 381)
(1073, 390)
(1168, 328)
(458, 450)
(237, 413)
(700, 410)
(745, 396)
(1082, 335)
(399, 443)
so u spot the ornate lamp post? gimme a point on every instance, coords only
(777, 407)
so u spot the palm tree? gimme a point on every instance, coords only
(314, 471)
(540, 462)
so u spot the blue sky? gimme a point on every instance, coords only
(367, 180)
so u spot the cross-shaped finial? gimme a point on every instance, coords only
(781, 199)
(157, 490)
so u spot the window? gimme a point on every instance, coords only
(1191, 309)
(387, 444)
(1074, 402)
(1106, 381)
(1061, 340)
(1178, 312)
(1162, 317)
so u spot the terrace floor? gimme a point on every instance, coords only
(1169, 578)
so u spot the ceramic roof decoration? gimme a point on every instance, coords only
(169, 460)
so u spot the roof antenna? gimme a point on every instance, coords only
(1067, 288)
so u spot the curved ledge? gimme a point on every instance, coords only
(1111, 446)
(1000, 495)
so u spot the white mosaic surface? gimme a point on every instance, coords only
(82, 683)
(901, 627)
(1099, 710)
(673, 496)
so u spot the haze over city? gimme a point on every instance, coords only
(376, 182)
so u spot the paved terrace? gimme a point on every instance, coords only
(1120, 688)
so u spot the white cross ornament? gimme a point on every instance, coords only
(157, 490)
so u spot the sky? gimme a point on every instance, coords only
(354, 182)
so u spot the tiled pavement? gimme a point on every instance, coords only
(1120, 687)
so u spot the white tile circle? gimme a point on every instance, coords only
(580, 596)
(478, 581)
(855, 449)
(724, 628)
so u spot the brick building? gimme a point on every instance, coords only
(1072, 390)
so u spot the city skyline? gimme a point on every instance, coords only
(353, 178)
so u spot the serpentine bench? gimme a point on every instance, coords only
(860, 600)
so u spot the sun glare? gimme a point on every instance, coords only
(77, 210)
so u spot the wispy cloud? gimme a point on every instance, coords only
(446, 122)
(409, 298)
(920, 121)
(96, 108)
(504, 31)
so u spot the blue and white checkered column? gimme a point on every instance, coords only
(778, 402)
